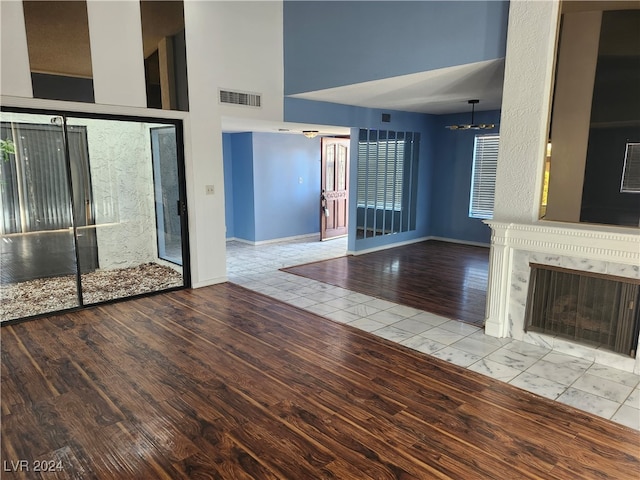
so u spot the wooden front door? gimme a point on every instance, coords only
(334, 196)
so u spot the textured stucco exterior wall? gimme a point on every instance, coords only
(122, 181)
(526, 103)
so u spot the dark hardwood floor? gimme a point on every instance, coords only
(225, 383)
(444, 278)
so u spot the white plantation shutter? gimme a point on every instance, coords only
(483, 178)
(631, 172)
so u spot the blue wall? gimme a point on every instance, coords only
(227, 156)
(284, 207)
(264, 199)
(411, 123)
(243, 180)
(300, 110)
(329, 44)
(451, 181)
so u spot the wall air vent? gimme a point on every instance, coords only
(240, 98)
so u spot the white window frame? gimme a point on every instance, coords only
(483, 176)
(630, 182)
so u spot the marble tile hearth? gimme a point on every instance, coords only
(561, 376)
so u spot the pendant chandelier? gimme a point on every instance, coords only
(472, 125)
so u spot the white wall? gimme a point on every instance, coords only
(230, 45)
(239, 46)
(117, 61)
(15, 76)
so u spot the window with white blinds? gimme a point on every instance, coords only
(380, 174)
(631, 171)
(387, 182)
(483, 178)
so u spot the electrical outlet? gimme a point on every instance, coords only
(209, 190)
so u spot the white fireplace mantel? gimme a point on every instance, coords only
(593, 248)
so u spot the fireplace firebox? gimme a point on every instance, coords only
(590, 308)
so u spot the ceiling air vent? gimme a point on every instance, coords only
(240, 98)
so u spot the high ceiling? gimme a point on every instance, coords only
(58, 39)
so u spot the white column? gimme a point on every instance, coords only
(15, 77)
(497, 310)
(117, 59)
(526, 103)
(204, 165)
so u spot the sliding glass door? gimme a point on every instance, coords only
(38, 261)
(167, 194)
(86, 218)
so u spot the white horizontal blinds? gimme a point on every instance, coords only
(631, 171)
(380, 170)
(483, 178)
(367, 161)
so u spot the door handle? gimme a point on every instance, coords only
(182, 207)
(323, 204)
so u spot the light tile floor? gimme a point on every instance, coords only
(603, 391)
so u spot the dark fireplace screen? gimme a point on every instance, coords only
(594, 309)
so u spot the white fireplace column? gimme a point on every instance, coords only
(496, 321)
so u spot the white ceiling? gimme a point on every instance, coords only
(235, 124)
(436, 92)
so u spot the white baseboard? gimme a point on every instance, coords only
(276, 240)
(385, 247)
(463, 242)
(209, 282)
(417, 240)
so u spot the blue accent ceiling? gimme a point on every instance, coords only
(333, 43)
